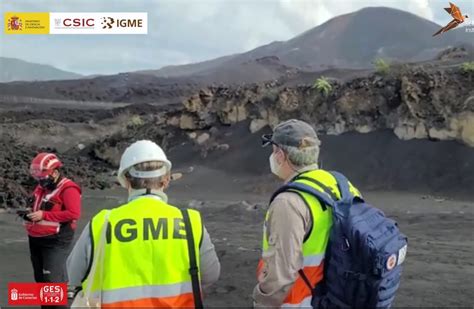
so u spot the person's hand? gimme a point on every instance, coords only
(36, 216)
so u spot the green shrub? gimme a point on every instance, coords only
(135, 121)
(381, 66)
(468, 67)
(322, 85)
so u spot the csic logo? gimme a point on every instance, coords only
(77, 23)
(15, 23)
(107, 22)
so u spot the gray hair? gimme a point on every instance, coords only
(144, 183)
(301, 157)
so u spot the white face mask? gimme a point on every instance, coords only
(274, 167)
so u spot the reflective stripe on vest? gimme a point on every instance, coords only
(313, 260)
(47, 197)
(48, 223)
(151, 291)
(46, 228)
(146, 262)
(314, 247)
(305, 303)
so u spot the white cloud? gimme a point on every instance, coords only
(307, 13)
(182, 31)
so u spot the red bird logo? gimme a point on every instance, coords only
(458, 18)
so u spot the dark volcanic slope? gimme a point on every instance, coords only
(376, 160)
(381, 160)
(347, 41)
(339, 48)
(126, 87)
(251, 71)
(19, 70)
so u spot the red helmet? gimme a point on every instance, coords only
(44, 164)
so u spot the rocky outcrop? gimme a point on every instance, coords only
(415, 102)
(455, 52)
(426, 101)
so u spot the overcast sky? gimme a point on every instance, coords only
(184, 31)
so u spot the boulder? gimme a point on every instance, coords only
(176, 176)
(411, 131)
(206, 96)
(203, 138)
(195, 204)
(337, 129)
(441, 134)
(213, 131)
(235, 114)
(257, 124)
(223, 147)
(364, 129)
(192, 104)
(466, 126)
(173, 121)
(187, 122)
(288, 101)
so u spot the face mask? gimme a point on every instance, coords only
(47, 183)
(274, 167)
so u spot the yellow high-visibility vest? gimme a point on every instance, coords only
(314, 246)
(146, 261)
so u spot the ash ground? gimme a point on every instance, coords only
(439, 269)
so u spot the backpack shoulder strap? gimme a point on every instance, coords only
(193, 269)
(323, 197)
(319, 184)
(343, 184)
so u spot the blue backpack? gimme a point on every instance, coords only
(364, 257)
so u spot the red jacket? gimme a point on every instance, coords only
(63, 205)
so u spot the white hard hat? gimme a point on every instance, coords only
(139, 152)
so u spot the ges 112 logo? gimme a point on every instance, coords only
(52, 294)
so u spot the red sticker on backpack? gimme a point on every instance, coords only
(391, 262)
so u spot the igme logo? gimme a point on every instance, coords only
(107, 22)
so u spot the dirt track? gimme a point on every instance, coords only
(439, 270)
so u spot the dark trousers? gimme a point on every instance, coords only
(48, 257)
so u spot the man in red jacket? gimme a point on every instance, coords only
(52, 221)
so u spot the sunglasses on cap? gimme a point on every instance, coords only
(267, 140)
